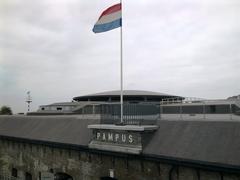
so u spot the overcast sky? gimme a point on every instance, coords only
(188, 48)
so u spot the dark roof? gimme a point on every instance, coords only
(126, 93)
(129, 93)
(68, 129)
(207, 141)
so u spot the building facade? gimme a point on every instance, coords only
(59, 148)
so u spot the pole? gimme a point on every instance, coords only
(121, 67)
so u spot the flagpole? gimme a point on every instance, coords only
(121, 67)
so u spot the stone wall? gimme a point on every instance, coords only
(83, 165)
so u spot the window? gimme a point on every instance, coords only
(170, 109)
(107, 178)
(88, 109)
(218, 109)
(59, 108)
(192, 109)
(235, 109)
(223, 109)
(28, 176)
(212, 109)
(14, 172)
(62, 176)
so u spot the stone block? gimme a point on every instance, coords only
(209, 175)
(187, 173)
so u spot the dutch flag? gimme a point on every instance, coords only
(110, 19)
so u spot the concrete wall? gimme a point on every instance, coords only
(82, 165)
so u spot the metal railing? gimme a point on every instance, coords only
(133, 114)
(196, 108)
(181, 100)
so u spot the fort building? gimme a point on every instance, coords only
(164, 137)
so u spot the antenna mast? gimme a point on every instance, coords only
(28, 100)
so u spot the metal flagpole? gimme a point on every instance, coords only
(121, 65)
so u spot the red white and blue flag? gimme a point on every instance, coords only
(110, 19)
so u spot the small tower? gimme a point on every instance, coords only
(28, 100)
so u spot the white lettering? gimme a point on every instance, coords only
(98, 135)
(110, 137)
(124, 138)
(116, 137)
(130, 138)
(103, 137)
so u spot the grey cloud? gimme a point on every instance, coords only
(175, 47)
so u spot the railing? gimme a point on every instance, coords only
(195, 108)
(133, 114)
(181, 100)
(171, 100)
